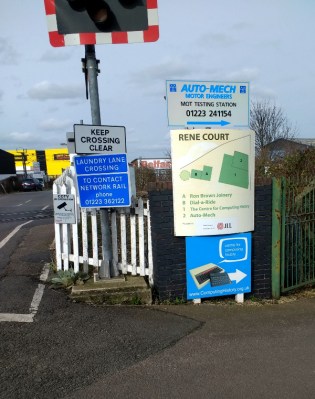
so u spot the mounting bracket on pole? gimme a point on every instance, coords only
(85, 71)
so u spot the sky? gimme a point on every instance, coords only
(268, 43)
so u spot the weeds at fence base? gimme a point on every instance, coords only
(68, 278)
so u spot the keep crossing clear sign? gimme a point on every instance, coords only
(103, 180)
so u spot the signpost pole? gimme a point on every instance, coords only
(92, 71)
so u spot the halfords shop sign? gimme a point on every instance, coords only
(213, 104)
(90, 139)
(154, 163)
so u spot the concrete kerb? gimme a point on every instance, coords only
(123, 290)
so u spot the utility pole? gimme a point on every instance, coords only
(91, 70)
(24, 163)
(23, 157)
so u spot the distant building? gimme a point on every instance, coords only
(57, 160)
(7, 164)
(52, 161)
(281, 147)
(24, 160)
(161, 166)
(309, 141)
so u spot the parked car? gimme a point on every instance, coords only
(39, 177)
(31, 185)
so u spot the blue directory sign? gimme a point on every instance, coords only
(218, 265)
(103, 180)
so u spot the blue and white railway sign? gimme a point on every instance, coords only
(218, 265)
(103, 180)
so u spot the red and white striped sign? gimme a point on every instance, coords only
(60, 40)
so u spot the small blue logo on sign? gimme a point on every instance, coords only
(173, 88)
(243, 89)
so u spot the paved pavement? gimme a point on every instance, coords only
(239, 351)
(184, 351)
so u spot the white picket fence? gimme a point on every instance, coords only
(80, 248)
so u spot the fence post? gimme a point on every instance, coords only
(115, 269)
(276, 237)
(85, 242)
(150, 255)
(65, 235)
(75, 235)
(56, 188)
(141, 236)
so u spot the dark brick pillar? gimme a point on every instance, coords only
(261, 245)
(169, 255)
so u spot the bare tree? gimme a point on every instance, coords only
(168, 153)
(269, 123)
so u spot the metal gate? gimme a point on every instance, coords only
(293, 234)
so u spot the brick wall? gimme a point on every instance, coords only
(261, 243)
(169, 251)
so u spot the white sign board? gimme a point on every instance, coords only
(64, 208)
(207, 104)
(36, 167)
(70, 142)
(91, 139)
(213, 181)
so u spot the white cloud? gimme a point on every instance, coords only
(52, 124)
(168, 68)
(18, 138)
(8, 54)
(242, 26)
(244, 74)
(218, 39)
(46, 91)
(52, 55)
(258, 92)
(30, 140)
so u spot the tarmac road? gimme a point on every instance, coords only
(240, 351)
(65, 346)
(74, 350)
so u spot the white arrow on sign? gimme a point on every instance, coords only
(237, 276)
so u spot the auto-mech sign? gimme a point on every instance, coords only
(91, 139)
(207, 104)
